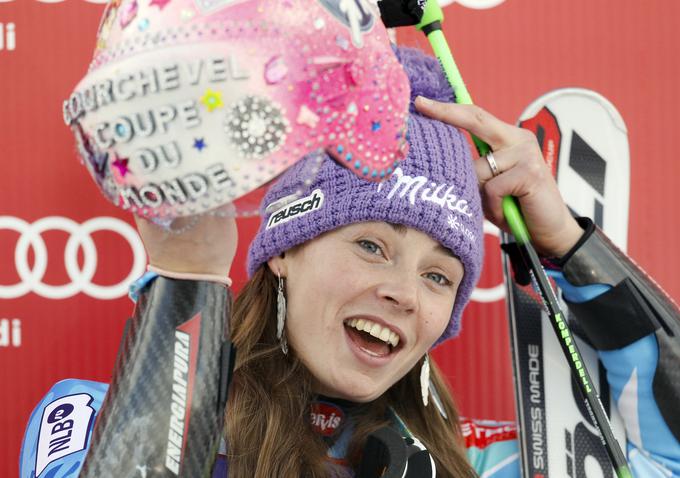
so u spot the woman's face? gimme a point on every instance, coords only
(395, 282)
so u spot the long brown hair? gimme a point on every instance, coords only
(268, 430)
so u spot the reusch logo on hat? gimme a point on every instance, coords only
(297, 208)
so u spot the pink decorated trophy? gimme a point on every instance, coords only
(189, 105)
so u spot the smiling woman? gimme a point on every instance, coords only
(361, 328)
(352, 283)
(372, 277)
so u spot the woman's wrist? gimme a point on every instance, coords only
(197, 276)
(586, 228)
(560, 243)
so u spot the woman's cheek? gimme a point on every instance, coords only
(435, 324)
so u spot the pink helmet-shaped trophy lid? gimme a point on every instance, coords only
(191, 104)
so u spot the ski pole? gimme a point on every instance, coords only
(430, 23)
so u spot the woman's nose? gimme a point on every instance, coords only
(400, 291)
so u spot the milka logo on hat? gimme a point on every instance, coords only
(439, 194)
(297, 208)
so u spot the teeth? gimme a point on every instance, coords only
(376, 330)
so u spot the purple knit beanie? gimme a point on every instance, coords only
(434, 190)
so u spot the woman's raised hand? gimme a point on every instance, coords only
(522, 173)
(205, 245)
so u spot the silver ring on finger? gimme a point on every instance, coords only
(492, 164)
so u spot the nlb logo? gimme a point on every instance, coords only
(63, 429)
(80, 237)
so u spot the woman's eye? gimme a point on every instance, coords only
(370, 247)
(438, 278)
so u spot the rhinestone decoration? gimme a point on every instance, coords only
(256, 126)
(275, 71)
(128, 13)
(143, 24)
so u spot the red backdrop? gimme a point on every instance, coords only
(55, 325)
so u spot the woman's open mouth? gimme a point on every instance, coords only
(371, 337)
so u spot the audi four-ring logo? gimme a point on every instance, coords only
(80, 237)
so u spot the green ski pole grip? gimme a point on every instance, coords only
(441, 50)
(431, 25)
(432, 13)
(515, 220)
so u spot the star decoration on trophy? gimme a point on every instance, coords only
(212, 100)
(199, 144)
(121, 164)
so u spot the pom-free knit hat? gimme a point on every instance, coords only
(434, 191)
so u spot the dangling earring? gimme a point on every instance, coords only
(427, 388)
(281, 317)
(425, 380)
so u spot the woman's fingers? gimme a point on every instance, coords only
(472, 118)
(553, 230)
(504, 160)
(519, 171)
(523, 182)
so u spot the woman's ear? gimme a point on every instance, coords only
(277, 265)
